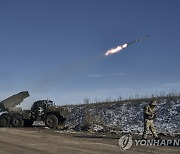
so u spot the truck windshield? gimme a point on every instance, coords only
(50, 103)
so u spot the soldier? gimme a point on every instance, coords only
(149, 116)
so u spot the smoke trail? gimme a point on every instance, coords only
(59, 75)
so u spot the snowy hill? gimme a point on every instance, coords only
(126, 115)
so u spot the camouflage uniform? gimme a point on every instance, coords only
(149, 115)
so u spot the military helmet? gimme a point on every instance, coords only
(153, 103)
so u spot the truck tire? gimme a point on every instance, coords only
(5, 121)
(28, 123)
(51, 121)
(17, 121)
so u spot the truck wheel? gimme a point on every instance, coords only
(28, 123)
(51, 121)
(17, 121)
(5, 121)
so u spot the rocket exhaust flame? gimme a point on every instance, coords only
(121, 47)
(115, 50)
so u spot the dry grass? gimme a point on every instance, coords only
(135, 99)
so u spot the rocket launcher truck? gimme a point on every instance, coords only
(41, 110)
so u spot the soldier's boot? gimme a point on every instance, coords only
(156, 136)
(144, 137)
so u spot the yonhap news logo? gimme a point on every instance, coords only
(126, 142)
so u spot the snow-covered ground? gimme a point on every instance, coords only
(126, 116)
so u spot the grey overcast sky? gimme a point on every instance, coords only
(55, 49)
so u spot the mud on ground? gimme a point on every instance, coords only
(46, 141)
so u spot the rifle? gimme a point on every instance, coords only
(168, 118)
(163, 105)
(153, 116)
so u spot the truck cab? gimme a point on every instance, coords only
(47, 111)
